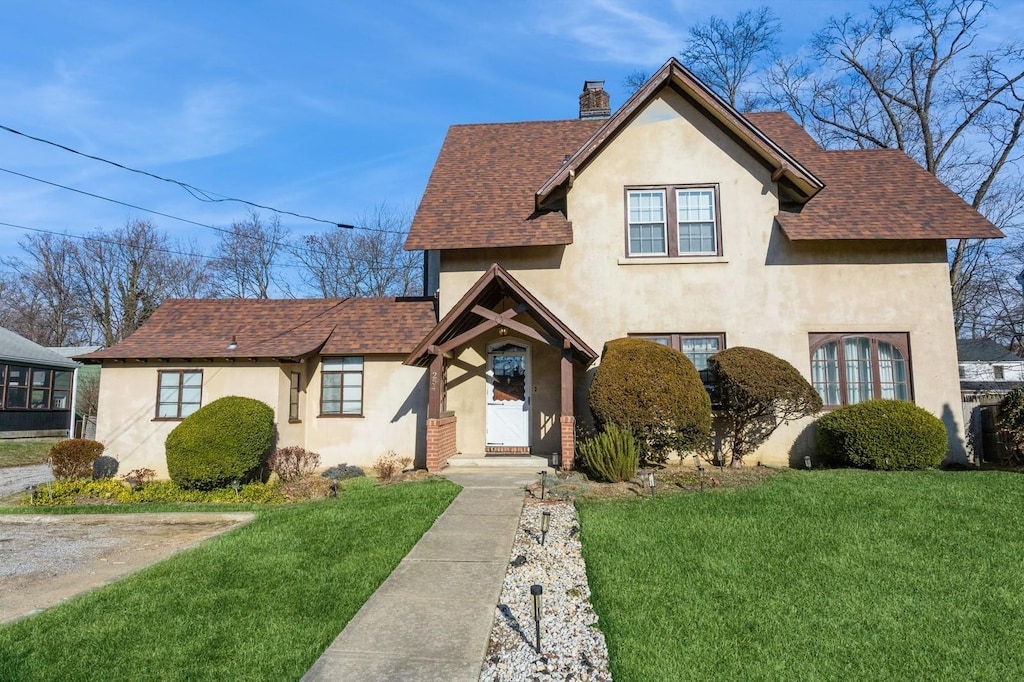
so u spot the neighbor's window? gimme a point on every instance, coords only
(179, 393)
(17, 388)
(293, 397)
(695, 230)
(997, 372)
(852, 368)
(341, 390)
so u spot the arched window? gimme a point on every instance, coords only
(852, 368)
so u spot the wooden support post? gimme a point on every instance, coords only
(567, 420)
(435, 381)
(566, 367)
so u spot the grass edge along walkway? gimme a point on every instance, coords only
(814, 575)
(258, 603)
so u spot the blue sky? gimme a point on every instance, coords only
(322, 108)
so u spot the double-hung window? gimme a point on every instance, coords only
(673, 221)
(341, 389)
(294, 379)
(697, 347)
(179, 393)
(852, 368)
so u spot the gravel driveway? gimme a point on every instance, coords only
(16, 479)
(46, 559)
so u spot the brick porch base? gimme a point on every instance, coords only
(568, 426)
(440, 442)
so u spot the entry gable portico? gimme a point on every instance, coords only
(496, 306)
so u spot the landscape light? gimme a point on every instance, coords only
(543, 482)
(536, 591)
(545, 524)
(807, 461)
(650, 481)
(700, 472)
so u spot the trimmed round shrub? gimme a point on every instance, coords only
(73, 458)
(656, 393)
(1011, 423)
(758, 391)
(882, 434)
(222, 442)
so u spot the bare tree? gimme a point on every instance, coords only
(125, 275)
(726, 56)
(635, 80)
(41, 300)
(366, 261)
(913, 76)
(247, 257)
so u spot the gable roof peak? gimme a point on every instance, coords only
(785, 168)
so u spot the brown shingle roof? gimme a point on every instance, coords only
(281, 328)
(481, 191)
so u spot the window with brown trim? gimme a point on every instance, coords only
(697, 347)
(16, 385)
(341, 387)
(673, 220)
(851, 368)
(179, 393)
(293, 396)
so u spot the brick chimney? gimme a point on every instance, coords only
(594, 102)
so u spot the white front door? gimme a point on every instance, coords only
(508, 395)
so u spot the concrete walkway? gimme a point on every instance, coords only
(16, 479)
(431, 619)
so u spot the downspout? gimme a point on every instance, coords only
(74, 400)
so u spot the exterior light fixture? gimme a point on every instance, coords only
(234, 343)
(700, 473)
(502, 331)
(696, 460)
(545, 525)
(807, 461)
(543, 482)
(536, 591)
(650, 481)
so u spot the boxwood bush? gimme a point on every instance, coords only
(222, 442)
(656, 393)
(882, 434)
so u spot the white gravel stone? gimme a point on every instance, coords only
(572, 648)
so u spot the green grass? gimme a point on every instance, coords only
(16, 452)
(814, 576)
(259, 603)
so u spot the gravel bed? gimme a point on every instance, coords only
(572, 648)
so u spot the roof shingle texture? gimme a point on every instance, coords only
(16, 348)
(280, 328)
(984, 350)
(481, 191)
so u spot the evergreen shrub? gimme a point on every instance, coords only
(219, 443)
(612, 455)
(1010, 424)
(892, 435)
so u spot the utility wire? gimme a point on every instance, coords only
(287, 247)
(195, 192)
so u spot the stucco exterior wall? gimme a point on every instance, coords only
(394, 409)
(764, 291)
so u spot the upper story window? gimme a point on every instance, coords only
(997, 373)
(341, 387)
(852, 368)
(673, 221)
(179, 393)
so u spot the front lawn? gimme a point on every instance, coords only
(814, 575)
(16, 452)
(259, 603)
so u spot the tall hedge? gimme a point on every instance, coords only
(656, 393)
(1011, 423)
(222, 442)
(882, 434)
(758, 392)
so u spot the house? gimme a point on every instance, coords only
(987, 366)
(37, 389)
(87, 383)
(675, 219)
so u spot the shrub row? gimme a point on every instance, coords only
(882, 434)
(111, 491)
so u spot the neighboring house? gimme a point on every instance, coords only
(987, 366)
(675, 219)
(86, 389)
(36, 389)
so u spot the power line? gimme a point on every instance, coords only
(195, 192)
(287, 247)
